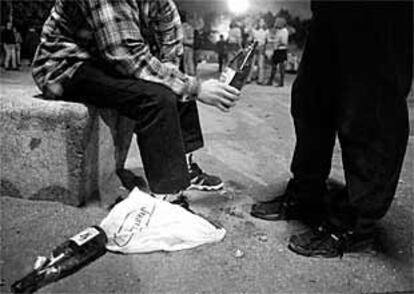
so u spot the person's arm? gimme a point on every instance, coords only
(168, 30)
(120, 43)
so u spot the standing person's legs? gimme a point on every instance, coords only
(189, 61)
(312, 95)
(372, 122)
(154, 108)
(282, 66)
(260, 65)
(220, 62)
(225, 59)
(18, 50)
(8, 55)
(195, 59)
(13, 56)
(192, 64)
(185, 60)
(252, 69)
(311, 110)
(273, 69)
(373, 132)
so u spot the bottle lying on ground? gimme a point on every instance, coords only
(238, 69)
(67, 258)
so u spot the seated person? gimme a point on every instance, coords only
(116, 55)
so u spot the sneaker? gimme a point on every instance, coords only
(287, 207)
(199, 180)
(280, 208)
(129, 180)
(328, 243)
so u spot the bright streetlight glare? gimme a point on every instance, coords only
(238, 6)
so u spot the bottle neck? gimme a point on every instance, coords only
(248, 55)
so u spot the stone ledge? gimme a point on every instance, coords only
(60, 151)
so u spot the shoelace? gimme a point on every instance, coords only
(338, 238)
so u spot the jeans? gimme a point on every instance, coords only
(188, 60)
(358, 94)
(10, 57)
(222, 60)
(166, 129)
(278, 60)
(258, 58)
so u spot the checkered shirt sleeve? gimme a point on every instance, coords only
(120, 42)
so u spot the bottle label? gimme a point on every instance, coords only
(85, 236)
(227, 75)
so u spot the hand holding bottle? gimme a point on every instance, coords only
(215, 93)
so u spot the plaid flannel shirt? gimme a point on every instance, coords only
(139, 39)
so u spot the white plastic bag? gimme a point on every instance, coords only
(142, 224)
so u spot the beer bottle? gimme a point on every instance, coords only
(238, 69)
(67, 258)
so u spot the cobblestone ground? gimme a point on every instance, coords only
(250, 148)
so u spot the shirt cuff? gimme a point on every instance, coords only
(192, 90)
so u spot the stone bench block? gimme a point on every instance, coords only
(60, 151)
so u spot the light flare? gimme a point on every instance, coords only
(238, 6)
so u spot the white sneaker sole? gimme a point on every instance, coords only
(206, 188)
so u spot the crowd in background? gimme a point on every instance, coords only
(272, 48)
(14, 46)
(271, 31)
(272, 55)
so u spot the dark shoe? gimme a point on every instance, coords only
(174, 198)
(328, 243)
(183, 202)
(129, 180)
(289, 207)
(280, 208)
(203, 181)
(276, 209)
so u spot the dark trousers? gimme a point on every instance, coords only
(166, 129)
(222, 59)
(279, 58)
(352, 83)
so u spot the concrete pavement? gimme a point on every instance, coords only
(250, 148)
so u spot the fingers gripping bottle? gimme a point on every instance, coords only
(238, 69)
(67, 258)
